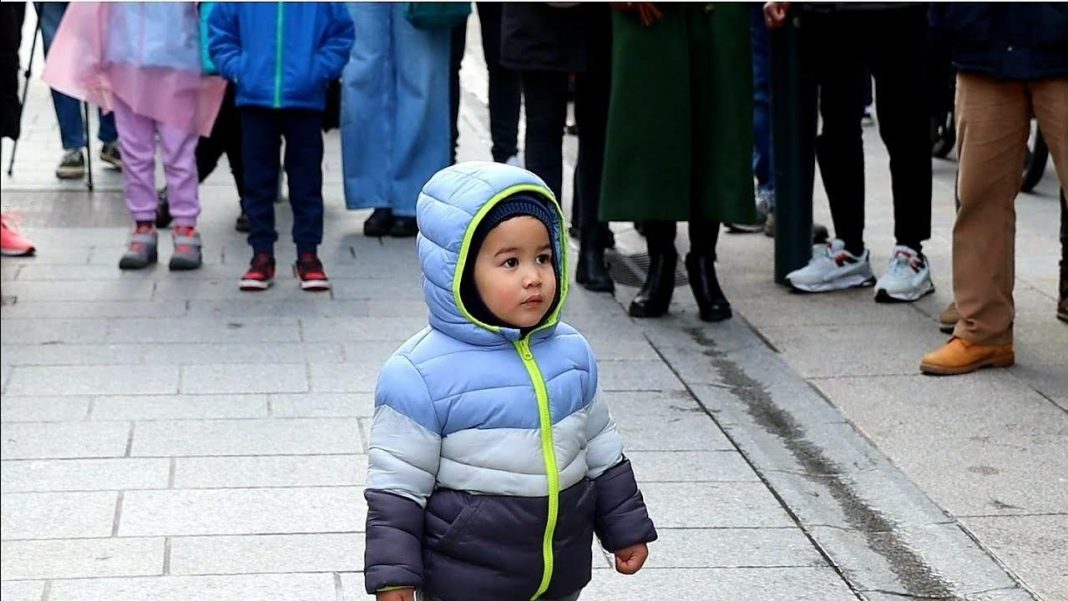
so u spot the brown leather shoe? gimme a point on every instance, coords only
(947, 320)
(960, 357)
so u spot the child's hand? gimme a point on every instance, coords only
(630, 559)
(401, 594)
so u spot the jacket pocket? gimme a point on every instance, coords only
(456, 532)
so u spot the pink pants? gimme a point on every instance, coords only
(137, 142)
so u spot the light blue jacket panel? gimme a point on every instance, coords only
(154, 34)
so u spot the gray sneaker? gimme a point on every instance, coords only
(186, 249)
(141, 251)
(109, 153)
(72, 166)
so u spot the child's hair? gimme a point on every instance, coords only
(517, 205)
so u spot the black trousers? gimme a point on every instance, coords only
(505, 91)
(11, 17)
(545, 93)
(262, 132)
(660, 237)
(836, 48)
(225, 139)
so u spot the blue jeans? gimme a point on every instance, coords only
(762, 157)
(69, 110)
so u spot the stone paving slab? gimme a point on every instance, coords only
(188, 329)
(243, 378)
(768, 584)
(96, 380)
(173, 406)
(322, 404)
(1034, 543)
(24, 590)
(246, 437)
(242, 511)
(275, 471)
(690, 466)
(57, 515)
(733, 548)
(264, 554)
(44, 409)
(714, 505)
(66, 440)
(83, 474)
(82, 558)
(291, 587)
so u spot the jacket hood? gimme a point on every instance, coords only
(449, 209)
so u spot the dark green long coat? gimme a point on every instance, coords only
(680, 120)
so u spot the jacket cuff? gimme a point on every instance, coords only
(622, 519)
(393, 557)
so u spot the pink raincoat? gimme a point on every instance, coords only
(145, 53)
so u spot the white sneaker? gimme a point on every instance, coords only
(832, 268)
(908, 278)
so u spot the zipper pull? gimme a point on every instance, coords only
(524, 350)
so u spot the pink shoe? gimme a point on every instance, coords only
(12, 242)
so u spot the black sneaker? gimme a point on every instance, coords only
(72, 166)
(404, 227)
(379, 223)
(109, 153)
(163, 209)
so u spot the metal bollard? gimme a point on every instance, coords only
(793, 202)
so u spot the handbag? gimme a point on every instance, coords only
(436, 15)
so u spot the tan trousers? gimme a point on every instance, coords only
(993, 123)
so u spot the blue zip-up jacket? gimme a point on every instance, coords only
(281, 55)
(493, 460)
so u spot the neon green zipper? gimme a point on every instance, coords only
(548, 452)
(278, 58)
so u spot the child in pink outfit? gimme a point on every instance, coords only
(142, 61)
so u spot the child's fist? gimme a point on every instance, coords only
(401, 594)
(631, 559)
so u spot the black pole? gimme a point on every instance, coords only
(793, 202)
(25, 91)
(88, 150)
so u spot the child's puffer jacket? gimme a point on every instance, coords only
(492, 458)
(281, 55)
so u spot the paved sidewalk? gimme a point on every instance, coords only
(166, 436)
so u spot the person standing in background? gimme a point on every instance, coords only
(69, 110)
(394, 115)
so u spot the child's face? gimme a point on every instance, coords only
(514, 272)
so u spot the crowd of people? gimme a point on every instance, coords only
(672, 107)
(672, 113)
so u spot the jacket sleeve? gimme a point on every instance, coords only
(621, 518)
(224, 40)
(403, 458)
(337, 42)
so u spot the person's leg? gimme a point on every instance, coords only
(138, 145)
(546, 106)
(106, 131)
(180, 169)
(898, 65)
(12, 16)
(1050, 99)
(839, 147)
(420, 137)
(993, 120)
(68, 110)
(368, 103)
(505, 86)
(762, 156)
(261, 144)
(304, 170)
(457, 45)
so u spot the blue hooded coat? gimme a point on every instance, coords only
(493, 460)
(281, 55)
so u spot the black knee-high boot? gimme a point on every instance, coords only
(655, 295)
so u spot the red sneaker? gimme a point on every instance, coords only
(260, 273)
(311, 273)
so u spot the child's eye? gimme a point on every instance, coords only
(544, 259)
(512, 262)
